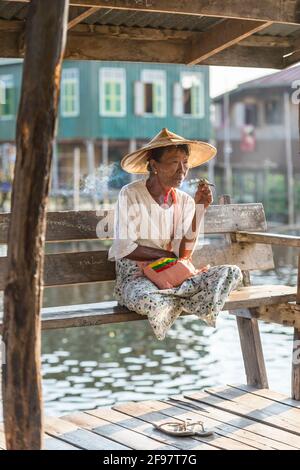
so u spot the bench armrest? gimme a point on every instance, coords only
(267, 238)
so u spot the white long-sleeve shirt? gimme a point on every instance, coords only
(140, 220)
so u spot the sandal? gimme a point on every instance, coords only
(184, 429)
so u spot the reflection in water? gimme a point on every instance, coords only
(84, 368)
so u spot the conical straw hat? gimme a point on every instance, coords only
(200, 152)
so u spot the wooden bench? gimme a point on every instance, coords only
(242, 242)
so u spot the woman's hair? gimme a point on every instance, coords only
(157, 153)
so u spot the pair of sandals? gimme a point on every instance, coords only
(184, 429)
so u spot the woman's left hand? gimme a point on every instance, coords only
(203, 195)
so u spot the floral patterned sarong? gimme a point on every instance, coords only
(203, 294)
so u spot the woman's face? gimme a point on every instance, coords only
(172, 168)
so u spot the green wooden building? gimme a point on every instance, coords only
(108, 109)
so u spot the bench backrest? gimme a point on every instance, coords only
(65, 268)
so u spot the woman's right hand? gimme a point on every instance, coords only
(203, 195)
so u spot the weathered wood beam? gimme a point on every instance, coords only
(287, 11)
(240, 56)
(221, 37)
(45, 38)
(266, 41)
(286, 314)
(131, 32)
(89, 46)
(83, 16)
(154, 34)
(267, 238)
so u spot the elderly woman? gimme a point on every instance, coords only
(154, 219)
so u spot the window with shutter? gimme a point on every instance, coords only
(7, 96)
(154, 92)
(193, 98)
(69, 101)
(112, 92)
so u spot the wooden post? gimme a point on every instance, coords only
(296, 363)
(90, 151)
(44, 45)
(76, 179)
(105, 163)
(249, 336)
(289, 158)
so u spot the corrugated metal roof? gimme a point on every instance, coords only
(151, 20)
(108, 16)
(281, 30)
(284, 78)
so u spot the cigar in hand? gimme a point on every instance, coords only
(200, 181)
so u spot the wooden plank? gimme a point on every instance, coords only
(253, 357)
(258, 408)
(92, 47)
(268, 238)
(131, 412)
(222, 36)
(224, 428)
(287, 314)
(22, 389)
(269, 394)
(145, 428)
(276, 429)
(94, 225)
(267, 41)
(110, 312)
(259, 432)
(152, 410)
(79, 437)
(115, 432)
(53, 443)
(93, 266)
(239, 56)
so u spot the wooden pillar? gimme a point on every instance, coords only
(90, 151)
(249, 335)
(44, 47)
(296, 350)
(289, 159)
(105, 163)
(76, 179)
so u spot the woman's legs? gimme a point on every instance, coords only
(206, 293)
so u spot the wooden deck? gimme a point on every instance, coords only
(243, 418)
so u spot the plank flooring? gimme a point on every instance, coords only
(242, 418)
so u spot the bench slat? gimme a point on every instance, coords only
(93, 266)
(110, 312)
(81, 225)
